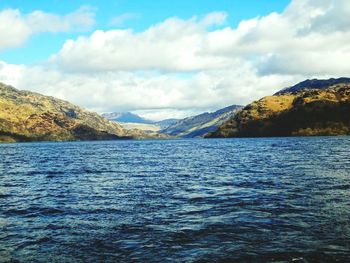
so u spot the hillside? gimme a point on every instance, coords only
(199, 125)
(322, 108)
(28, 116)
(163, 124)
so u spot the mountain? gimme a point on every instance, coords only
(28, 116)
(199, 125)
(166, 123)
(316, 107)
(127, 117)
(314, 84)
(130, 121)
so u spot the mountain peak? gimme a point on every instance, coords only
(314, 84)
(127, 117)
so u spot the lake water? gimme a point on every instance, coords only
(229, 200)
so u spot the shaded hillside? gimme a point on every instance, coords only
(305, 112)
(314, 84)
(28, 116)
(199, 125)
(166, 123)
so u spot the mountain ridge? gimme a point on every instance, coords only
(199, 125)
(313, 84)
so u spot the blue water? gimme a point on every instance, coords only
(232, 200)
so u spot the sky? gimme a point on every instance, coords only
(164, 59)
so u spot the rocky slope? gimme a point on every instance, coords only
(199, 125)
(28, 116)
(317, 107)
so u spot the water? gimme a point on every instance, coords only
(234, 200)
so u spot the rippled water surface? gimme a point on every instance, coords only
(234, 200)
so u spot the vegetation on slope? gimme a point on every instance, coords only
(28, 116)
(297, 112)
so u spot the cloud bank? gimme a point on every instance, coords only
(197, 64)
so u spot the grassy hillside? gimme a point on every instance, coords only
(28, 116)
(301, 112)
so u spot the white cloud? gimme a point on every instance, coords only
(173, 45)
(216, 18)
(121, 19)
(186, 66)
(310, 37)
(153, 94)
(11, 74)
(16, 28)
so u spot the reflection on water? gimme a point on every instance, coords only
(279, 199)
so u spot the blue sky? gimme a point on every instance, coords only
(138, 14)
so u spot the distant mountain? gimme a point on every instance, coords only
(166, 123)
(140, 126)
(316, 107)
(155, 127)
(29, 116)
(128, 120)
(199, 125)
(126, 117)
